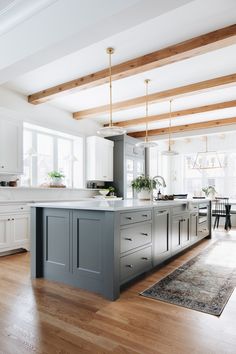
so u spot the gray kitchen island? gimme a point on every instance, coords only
(100, 245)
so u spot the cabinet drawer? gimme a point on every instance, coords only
(179, 209)
(136, 216)
(203, 230)
(135, 264)
(14, 208)
(135, 236)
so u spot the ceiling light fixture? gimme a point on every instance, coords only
(146, 143)
(111, 130)
(170, 152)
(207, 159)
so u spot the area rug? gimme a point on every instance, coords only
(205, 283)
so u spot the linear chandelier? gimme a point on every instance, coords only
(207, 159)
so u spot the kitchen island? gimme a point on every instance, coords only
(101, 245)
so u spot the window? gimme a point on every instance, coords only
(46, 150)
(224, 179)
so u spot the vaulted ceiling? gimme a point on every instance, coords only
(199, 74)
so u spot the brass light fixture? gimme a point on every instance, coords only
(111, 130)
(207, 159)
(146, 143)
(170, 152)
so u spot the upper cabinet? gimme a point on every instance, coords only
(11, 147)
(99, 159)
(129, 163)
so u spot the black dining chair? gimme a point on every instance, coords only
(221, 209)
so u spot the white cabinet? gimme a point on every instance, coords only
(11, 147)
(5, 233)
(14, 227)
(99, 159)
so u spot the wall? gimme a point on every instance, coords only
(15, 106)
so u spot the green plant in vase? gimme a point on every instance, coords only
(143, 186)
(209, 191)
(56, 178)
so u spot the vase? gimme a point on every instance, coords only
(56, 181)
(144, 194)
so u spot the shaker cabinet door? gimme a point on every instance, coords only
(161, 236)
(11, 147)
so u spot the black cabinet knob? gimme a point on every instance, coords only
(129, 265)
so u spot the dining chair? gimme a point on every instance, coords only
(221, 209)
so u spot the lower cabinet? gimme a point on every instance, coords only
(161, 235)
(135, 263)
(194, 227)
(14, 231)
(180, 235)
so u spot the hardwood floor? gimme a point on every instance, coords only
(45, 317)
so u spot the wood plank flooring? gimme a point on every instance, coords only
(45, 317)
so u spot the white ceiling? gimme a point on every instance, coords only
(169, 26)
(14, 12)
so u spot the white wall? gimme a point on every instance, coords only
(15, 106)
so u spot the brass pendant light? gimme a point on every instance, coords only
(146, 143)
(170, 152)
(111, 130)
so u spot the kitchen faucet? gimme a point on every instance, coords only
(162, 179)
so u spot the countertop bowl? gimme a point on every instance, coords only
(104, 192)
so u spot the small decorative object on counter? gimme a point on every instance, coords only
(210, 192)
(111, 191)
(143, 185)
(13, 183)
(56, 179)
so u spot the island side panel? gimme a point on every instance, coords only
(56, 244)
(93, 252)
(36, 248)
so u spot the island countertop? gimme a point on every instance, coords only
(117, 205)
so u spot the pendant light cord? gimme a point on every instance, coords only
(170, 124)
(110, 51)
(146, 108)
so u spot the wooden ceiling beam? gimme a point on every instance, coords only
(186, 127)
(182, 91)
(176, 114)
(196, 46)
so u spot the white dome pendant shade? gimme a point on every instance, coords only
(169, 152)
(111, 130)
(146, 143)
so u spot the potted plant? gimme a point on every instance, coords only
(144, 185)
(210, 192)
(56, 178)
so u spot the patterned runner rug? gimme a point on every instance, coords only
(205, 283)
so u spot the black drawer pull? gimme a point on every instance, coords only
(145, 258)
(128, 239)
(162, 211)
(129, 265)
(144, 233)
(129, 218)
(145, 215)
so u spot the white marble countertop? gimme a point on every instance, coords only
(118, 205)
(3, 202)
